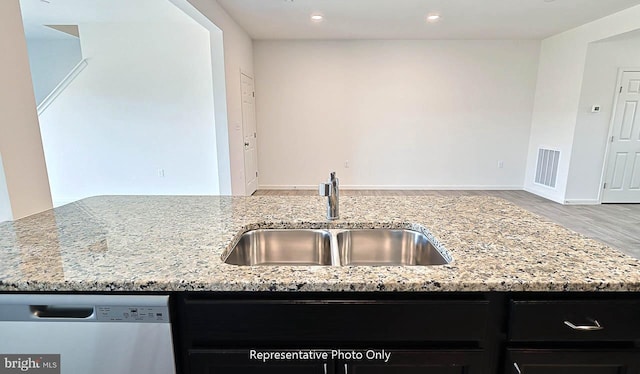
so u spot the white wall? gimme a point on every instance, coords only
(238, 56)
(142, 104)
(51, 60)
(5, 202)
(559, 84)
(219, 92)
(20, 143)
(405, 114)
(592, 129)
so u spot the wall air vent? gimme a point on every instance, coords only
(547, 170)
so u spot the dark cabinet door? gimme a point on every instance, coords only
(240, 362)
(398, 362)
(573, 362)
(419, 362)
(282, 322)
(592, 320)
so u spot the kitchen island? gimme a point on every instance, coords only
(520, 295)
(157, 243)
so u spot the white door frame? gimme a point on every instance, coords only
(614, 108)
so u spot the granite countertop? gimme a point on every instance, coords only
(176, 243)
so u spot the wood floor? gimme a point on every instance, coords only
(617, 225)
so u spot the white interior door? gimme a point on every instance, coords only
(250, 134)
(622, 176)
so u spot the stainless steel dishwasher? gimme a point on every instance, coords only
(96, 334)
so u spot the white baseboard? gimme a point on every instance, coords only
(409, 187)
(547, 195)
(287, 187)
(582, 202)
(544, 194)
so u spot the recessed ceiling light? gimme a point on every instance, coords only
(433, 17)
(317, 17)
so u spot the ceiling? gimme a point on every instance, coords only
(37, 13)
(405, 19)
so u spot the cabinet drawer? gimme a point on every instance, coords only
(556, 361)
(602, 320)
(214, 322)
(397, 362)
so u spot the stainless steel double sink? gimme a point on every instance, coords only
(346, 247)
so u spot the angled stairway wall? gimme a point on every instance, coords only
(139, 119)
(51, 60)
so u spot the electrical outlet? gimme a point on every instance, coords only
(500, 164)
(161, 173)
(346, 164)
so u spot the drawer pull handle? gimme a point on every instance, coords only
(515, 365)
(594, 327)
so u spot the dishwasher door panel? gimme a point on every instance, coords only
(92, 334)
(97, 348)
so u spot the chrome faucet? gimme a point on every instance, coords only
(333, 193)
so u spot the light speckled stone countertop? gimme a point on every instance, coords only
(144, 243)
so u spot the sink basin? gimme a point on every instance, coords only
(352, 247)
(282, 247)
(387, 247)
